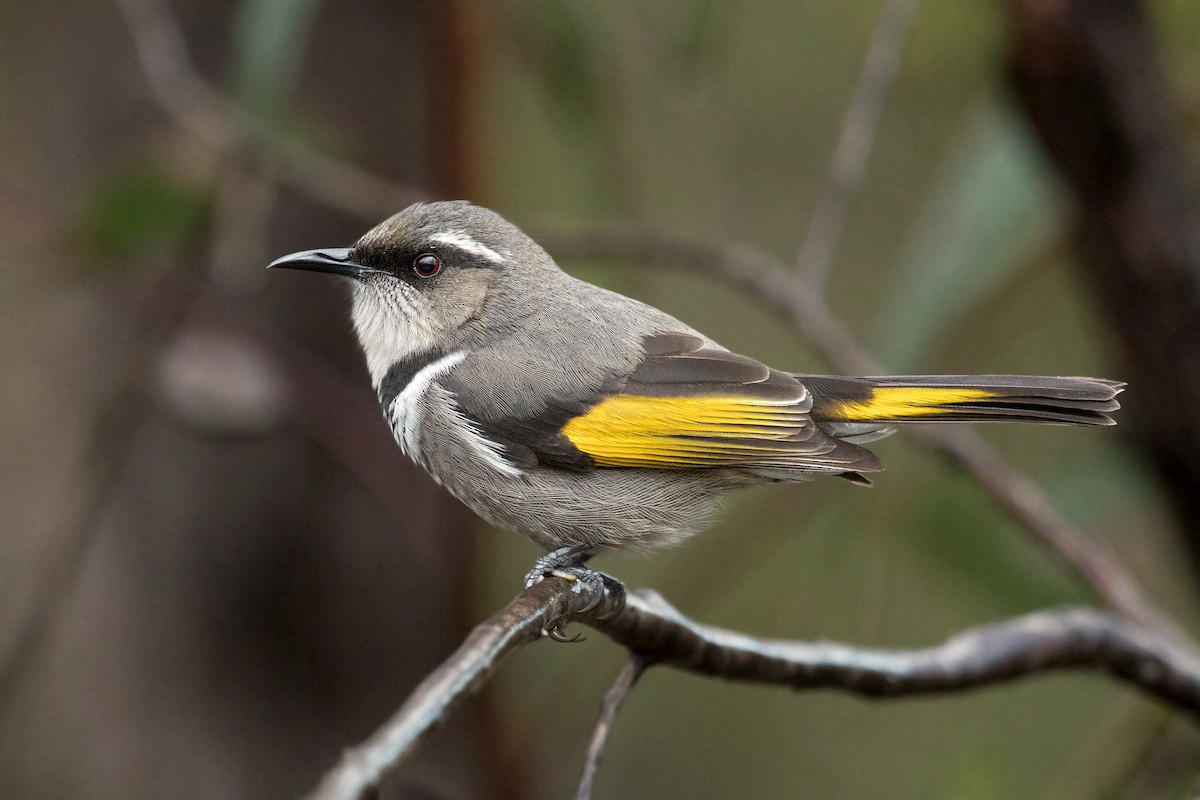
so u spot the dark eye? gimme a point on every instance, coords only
(427, 265)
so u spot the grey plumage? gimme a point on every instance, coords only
(521, 365)
(498, 373)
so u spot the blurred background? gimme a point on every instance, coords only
(217, 571)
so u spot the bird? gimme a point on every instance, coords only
(592, 422)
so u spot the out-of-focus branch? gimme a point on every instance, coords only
(1086, 76)
(855, 140)
(613, 701)
(196, 107)
(541, 608)
(655, 631)
(786, 292)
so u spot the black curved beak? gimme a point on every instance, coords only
(333, 260)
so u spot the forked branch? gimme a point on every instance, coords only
(657, 633)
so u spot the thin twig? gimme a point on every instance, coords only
(174, 84)
(613, 701)
(1028, 504)
(855, 140)
(777, 287)
(179, 91)
(647, 625)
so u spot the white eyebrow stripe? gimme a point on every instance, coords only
(465, 243)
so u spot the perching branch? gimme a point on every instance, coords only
(1078, 638)
(656, 632)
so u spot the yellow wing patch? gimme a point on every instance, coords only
(895, 402)
(674, 432)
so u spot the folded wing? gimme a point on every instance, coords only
(685, 406)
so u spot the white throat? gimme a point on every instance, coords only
(390, 327)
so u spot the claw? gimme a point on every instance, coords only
(559, 634)
(595, 585)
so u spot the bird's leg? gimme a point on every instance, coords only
(569, 563)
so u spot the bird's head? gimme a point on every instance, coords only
(430, 278)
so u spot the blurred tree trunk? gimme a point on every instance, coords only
(1086, 76)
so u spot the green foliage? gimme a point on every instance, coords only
(139, 213)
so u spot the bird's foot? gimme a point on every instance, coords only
(568, 563)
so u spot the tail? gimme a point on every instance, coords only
(961, 398)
